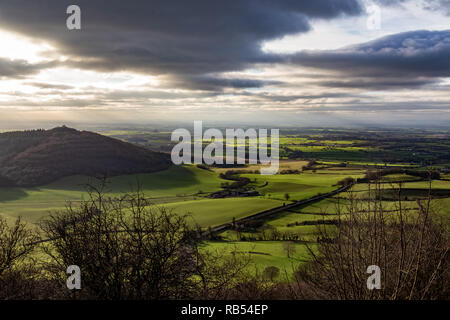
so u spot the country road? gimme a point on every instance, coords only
(272, 211)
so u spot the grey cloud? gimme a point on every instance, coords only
(432, 5)
(392, 107)
(178, 38)
(121, 95)
(189, 43)
(438, 5)
(378, 83)
(409, 59)
(69, 103)
(389, 2)
(43, 85)
(20, 68)
(217, 84)
(291, 98)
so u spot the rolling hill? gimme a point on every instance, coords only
(37, 157)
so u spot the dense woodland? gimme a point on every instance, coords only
(36, 157)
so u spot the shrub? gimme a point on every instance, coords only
(271, 273)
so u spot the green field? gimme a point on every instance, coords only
(406, 191)
(321, 159)
(265, 253)
(212, 212)
(172, 185)
(300, 186)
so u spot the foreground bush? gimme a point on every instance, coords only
(17, 271)
(129, 249)
(410, 248)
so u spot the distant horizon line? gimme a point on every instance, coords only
(171, 124)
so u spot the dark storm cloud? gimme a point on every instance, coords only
(177, 38)
(191, 42)
(16, 69)
(409, 59)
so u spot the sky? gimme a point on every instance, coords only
(262, 62)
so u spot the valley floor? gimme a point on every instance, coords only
(186, 189)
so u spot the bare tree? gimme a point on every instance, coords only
(289, 248)
(409, 247)
(17, 242)
(128, 248)
(125, 247)
(271, 273)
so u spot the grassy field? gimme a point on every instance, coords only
(179, 188)
(172, 185)
(406, 191)
(264, 254)
(397, 177)
(212, 212)
(435, 184)
(283, 165)
(293, 221)
(299, 186)
(184, 189)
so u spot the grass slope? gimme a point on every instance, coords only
(212, 212)
(165, 186)
(265, 254)
(299, 186)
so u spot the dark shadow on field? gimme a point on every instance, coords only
(412, 194)
(11, 193)
(174, 177)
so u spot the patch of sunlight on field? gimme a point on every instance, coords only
(212, 212)
(436, 184)
(283, 165)
(265, 254)
(298, 186)
(398, 177)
